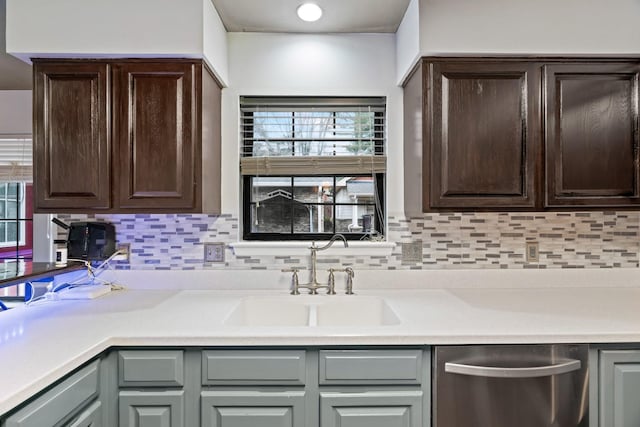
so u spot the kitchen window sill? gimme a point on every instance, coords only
(357, 248)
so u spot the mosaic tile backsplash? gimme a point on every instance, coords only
(449, 241)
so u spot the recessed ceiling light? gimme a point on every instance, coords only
(309, 12)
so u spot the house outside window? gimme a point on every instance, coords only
(313, 167)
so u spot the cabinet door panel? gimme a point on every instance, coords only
(61, 401)
(482, 135)
(151, 368)
(592, 134)
(397, 366)
(371, 409)
(250, 408)
(253, 367)
(72, 157)
(151, 409)
(156, 144)
(91, 417)
(620, 388)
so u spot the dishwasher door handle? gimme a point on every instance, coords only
(568, 365)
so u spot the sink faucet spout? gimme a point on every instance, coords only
(313, 284)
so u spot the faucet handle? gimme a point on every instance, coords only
(332, 282)
(350, 274)
(294, 279)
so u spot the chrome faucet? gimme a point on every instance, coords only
(313, 284)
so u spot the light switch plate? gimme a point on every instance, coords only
(214, 252)
(533, 252)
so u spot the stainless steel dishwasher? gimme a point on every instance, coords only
(511, 386)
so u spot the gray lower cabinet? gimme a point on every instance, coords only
(371, 409)
(374, 387)
(151, 408)
(223, 408)
(619, 388)
(236, 387)
(56, 406)
(151, 388)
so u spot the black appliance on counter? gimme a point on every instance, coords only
(89, 240)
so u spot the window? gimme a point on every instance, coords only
(312, 167)
(16, 206)
(16, 214)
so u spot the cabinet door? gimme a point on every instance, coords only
(620, 388)
(90, 417)
(157, 133)
(482, 135)
(151, 408)
(72, 157)
(592, 134)
(59, 403)
(252, 408)
(371, 409)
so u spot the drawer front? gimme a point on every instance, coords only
(151, 408)
(157, 368)
(372, 409)
(253, 367)
(402, 366)
(244, 408)
(59, 402)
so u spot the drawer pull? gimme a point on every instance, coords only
(568, 365)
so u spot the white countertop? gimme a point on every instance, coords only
(41, 343)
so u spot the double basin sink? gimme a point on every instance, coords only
(312, 311)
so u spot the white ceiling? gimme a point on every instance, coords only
(340, 16)
(14, 74)
(352, 16)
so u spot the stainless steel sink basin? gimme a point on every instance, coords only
(313, 311)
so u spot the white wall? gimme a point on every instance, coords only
(518, 27)
(214, 39)
(408, 41)
(304, 64)
(587, 27)
(118, 28)
(15, 112)
(91, 27)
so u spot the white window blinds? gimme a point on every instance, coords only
(312, 136)
(16, 158)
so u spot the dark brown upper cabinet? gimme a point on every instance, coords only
(126, 136)
(521, 134)
(482, 134)
(592, 134)
(72, 139)
(156, 151)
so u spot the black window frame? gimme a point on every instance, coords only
(247, 206)
(379, 195)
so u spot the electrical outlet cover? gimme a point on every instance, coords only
(126, 255)
(412, 252)
(214, 252)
